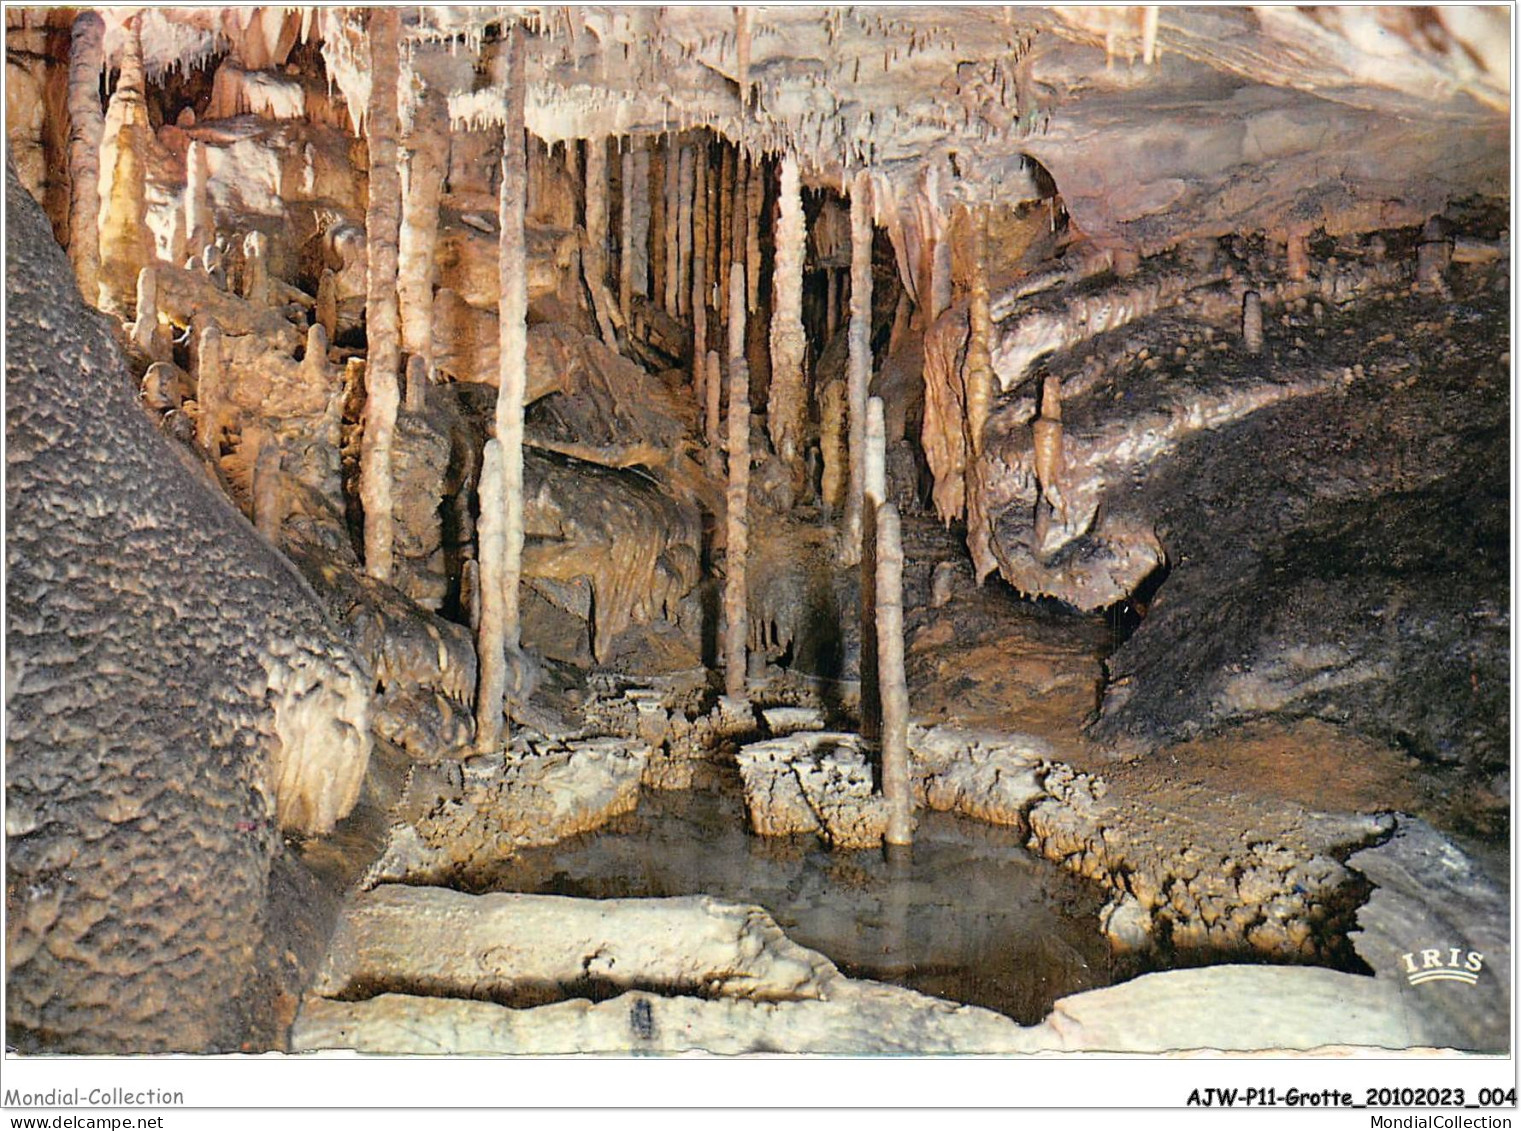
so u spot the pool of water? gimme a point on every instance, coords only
(970, 915)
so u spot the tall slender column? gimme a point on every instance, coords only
(501, 494)
(736, 589)
(897, 787)
(424, 160)
(858, 372)
(86, 125)
(382, 315)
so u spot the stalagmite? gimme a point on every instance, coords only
(267, 509)
(736, 591)
(86, 126)
(208, 381)
(424, 157)
(594, 261)
(832, 447)
(787, 408)
(1251, 322)
(487, 605)
(713, 388)
(876, 494)
(199, 228)
(1299, 254)
(256, 268)
(417, 383)
(500, 632)
(858, 372)
(146, 334)
(327, 304)
(897, 787)
(126, 245)
(382, 317)
(684, 231)
(672, 227)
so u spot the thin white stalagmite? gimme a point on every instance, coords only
(208, 385)
(788, 405)
(382, 314)
(684, 231)
(487, 605)
(256, 268)
(1251, 322)
(268, 512)
(736, 586)
(897, 786)
(86, 125)
(858, 371)
(876, 494)
(425, 159)
(501, 569)
(833, 481)
(199, 227)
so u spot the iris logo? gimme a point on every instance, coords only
(1435, 964)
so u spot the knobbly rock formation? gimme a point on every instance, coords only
(175, 699)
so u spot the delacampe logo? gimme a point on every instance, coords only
(1443, 964)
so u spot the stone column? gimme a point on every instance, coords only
(858, 371)
(424, 161)
(381, 312)
(86, 126)
(787, 408)
(897, 786)
(736, 589)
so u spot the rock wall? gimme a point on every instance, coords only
(174, 696)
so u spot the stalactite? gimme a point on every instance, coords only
(500, 532)
(126, 245)
(876, 494)
(672, 227)
(684, 230)
(639, 269)
(200, 230)
(657, 226)
(897, 786)
(1251, 322)
(488, 606)
(208, 387)
(727, 221)
(787, 408)
(699, 306)
(755, 201)
(382, 316)
(858, 371)
(713, 388)
(425, 158)
(86, 126)
(626, 236)
(979, 394)
(1050, 462)
(742, 54)
(594, 260)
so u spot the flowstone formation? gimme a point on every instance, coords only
(432, 431)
